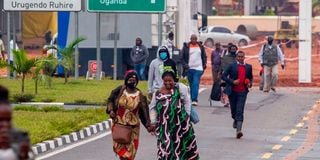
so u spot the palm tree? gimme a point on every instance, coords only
(67, 53)
(44, 69)
(22, 65)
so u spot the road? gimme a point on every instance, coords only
(277, 125)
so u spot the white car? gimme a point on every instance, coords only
(213, 34)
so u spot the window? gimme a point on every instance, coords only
(220, 30)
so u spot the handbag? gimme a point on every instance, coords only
(194, 116)
(216, 91)
(121, 133)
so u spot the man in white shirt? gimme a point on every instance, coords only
(194, 61)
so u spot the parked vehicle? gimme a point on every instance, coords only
(211, 34)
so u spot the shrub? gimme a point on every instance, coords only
(23, 97)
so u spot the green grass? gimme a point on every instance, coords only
(92, 91)
(51, 122)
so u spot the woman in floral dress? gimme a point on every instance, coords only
(127, 106)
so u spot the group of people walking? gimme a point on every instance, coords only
(235, 76)
(168, 116)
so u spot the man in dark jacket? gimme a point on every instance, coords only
(194, 61)
(139, 55)
(238, 77)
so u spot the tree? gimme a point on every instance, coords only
(67, 53)
(44, 69)
(22, 65)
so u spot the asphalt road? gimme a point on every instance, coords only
(270, 131)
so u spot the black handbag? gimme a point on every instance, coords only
(216, 91)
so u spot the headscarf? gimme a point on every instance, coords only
(130, 74)
(171, 73)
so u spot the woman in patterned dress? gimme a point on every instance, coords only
(170, 117)
(127, 106)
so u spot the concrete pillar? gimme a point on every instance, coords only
(305, 40)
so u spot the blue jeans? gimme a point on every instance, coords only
(194, 82)
(237, 102)
(139, 68)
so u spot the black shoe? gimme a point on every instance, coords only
(239, 127)
(273, 89)
(239, 134)
(234, 125)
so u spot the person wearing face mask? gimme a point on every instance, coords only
(157, 67)
(228, 57)
(269, 56)
(128, 101)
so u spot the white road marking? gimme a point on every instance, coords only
(73, 146)
(285, 139)
(293, 131)
(299, 125)
(276, 147)
(266, 156)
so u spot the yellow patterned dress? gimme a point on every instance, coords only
(127, 114)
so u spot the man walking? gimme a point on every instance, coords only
(139, 55)
(238, 77)
(194, 61)
(216, 61)
(269, 56)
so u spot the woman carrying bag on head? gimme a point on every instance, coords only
(127, 106)
(170, 118)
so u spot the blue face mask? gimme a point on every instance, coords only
(163, 55)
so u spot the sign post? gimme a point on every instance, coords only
(41, 5)
(124, 6)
